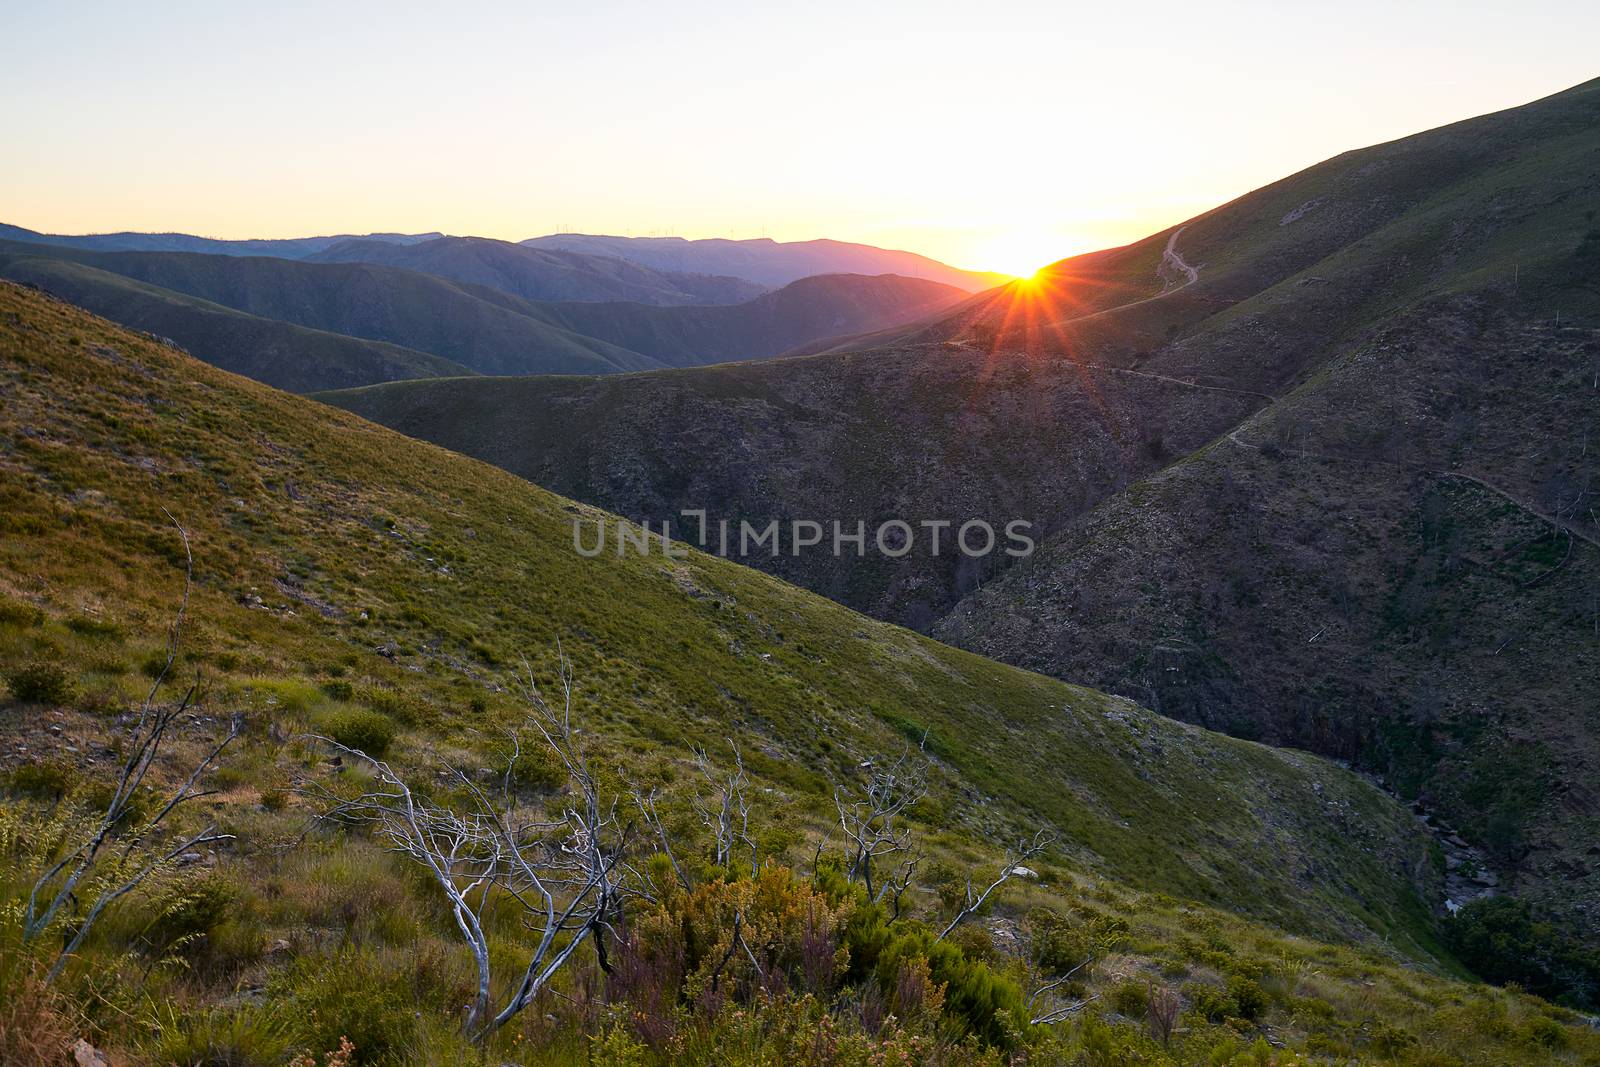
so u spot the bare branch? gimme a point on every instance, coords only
(727, 813)
(872, 819)
(1023, 852)
(561, 870)
(57, 886)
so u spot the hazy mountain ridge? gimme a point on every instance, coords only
(468, 327)
(541, 274)
(128, 241)
(769, 325)
(766, 261)
(483, 329)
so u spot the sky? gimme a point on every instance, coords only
(994, 136)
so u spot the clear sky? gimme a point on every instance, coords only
(993, 135)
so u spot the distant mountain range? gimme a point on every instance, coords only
(1316, 467)
(568, 266)
(537, 274)
(288, 248)
(344, 316)
(766, 261)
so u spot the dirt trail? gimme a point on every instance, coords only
(1169, 257)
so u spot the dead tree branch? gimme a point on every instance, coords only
(56, 887)
(1064, 1011)
(726, 813)
(875, 828)
(561, 869)
(1015, 858)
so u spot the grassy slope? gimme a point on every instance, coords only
(480, 328)
(321, 538)
(464, 568)
(280, 354)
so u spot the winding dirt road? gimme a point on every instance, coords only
(1169, 258)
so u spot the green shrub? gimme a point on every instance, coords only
(1544, 1032)
(248, 1034)
(153, 664)
(365, 731)
(537, 769)
(977, 1001)
(40, 682)
(398, 706)
(1209, 1002)
(87, 626)
(42, 780)
(352, 996)
(1130, 998)
(191, 911)
(1501, 940)
(13, 613)
(1249, 999)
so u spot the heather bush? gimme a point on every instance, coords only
(40, 682)
(365, 731)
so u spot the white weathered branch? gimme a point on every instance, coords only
(1024, 851)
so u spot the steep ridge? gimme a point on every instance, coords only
(1439, 624)
(543, 274)
(768, 262)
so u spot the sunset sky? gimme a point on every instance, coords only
(993, 136)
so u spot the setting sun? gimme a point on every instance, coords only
(1020, 253)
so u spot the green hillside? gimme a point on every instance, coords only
(342, 569)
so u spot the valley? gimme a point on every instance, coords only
(340, 567)
(423, 644)
(1378, 331)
